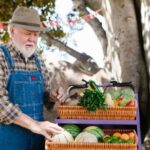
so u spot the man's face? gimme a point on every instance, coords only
(25, 40)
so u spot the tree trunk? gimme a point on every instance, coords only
(124, 53)
(145, 20)
(94, 4)
(144, 9)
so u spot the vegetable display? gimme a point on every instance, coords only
(73, 129)
(92, 134)
(92, 98)
(63, 137)
(119, 138)
(95, 130)
(120, 97)
(86, 137)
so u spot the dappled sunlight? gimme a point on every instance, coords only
(148, 57)
(107, 7)
(145, 13)
(113, 44)
(117, 43)
(117, 67)
(145, 20)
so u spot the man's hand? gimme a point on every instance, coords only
(45, 128)
(58, 95)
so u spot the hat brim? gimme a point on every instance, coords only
(31, 28)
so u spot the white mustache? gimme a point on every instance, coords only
(30, 44)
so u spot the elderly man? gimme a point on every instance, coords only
(24, 81)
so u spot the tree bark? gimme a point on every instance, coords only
(124, 53)
(144, 6)
(145, 20)
(123, 50)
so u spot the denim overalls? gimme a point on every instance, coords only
(25, 88)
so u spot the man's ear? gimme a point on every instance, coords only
(11, 30)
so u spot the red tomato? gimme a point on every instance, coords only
(131, 103)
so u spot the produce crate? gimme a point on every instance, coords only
(93, 146)
(112, 113)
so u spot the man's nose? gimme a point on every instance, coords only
(32, 38)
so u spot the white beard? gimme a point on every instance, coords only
(26, 51)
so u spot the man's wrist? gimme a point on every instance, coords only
(25, 121)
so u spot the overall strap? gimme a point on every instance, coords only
(37, 61)
(8, 58)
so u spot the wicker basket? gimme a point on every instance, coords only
(93, 146)
(112, 113)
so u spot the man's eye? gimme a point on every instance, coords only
(37, 34)
(27, 33)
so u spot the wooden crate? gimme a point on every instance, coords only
(112, 113)
(94, 146)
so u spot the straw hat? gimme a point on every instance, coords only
(27, 18)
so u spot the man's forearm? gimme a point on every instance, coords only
(44, 128)
(25, 121)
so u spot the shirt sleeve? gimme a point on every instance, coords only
(8, 111)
